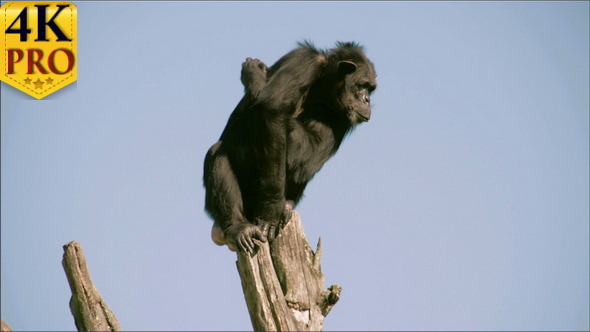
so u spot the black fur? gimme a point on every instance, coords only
(291, 120)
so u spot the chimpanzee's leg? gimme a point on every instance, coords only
(224, 201)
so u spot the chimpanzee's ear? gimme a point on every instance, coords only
(346, 67)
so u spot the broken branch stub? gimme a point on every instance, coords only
(283, 283)
(90, 311)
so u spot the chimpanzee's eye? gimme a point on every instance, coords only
(367, 86)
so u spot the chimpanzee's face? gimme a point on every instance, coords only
(354, 96)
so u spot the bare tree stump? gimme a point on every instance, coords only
(4, 327)
(90, 311)
(283, 283)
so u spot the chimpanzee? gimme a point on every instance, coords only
(291, 120)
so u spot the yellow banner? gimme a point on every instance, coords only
(39, 46)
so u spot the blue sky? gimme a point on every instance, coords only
(461, 205)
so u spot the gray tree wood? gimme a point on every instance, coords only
(90, 311)
(4, 327)
(283, 283)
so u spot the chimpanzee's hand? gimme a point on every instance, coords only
(253, 75)
(242, 235)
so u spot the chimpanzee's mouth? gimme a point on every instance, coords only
(362, 117)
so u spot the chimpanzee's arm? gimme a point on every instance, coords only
(288, 82)
(253, 78)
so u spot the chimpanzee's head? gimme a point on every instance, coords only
(353, 80)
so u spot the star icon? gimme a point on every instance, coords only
(38, 84)
(49, 80)
(28, 80)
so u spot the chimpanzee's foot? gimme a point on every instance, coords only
(242, 236)
(271, 229)
(289, 205)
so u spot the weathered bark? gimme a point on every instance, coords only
(90, 311)
(4, 327)
(283, 283)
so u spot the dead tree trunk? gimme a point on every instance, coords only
(283, 283)
(90, 311)
(4, 327)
